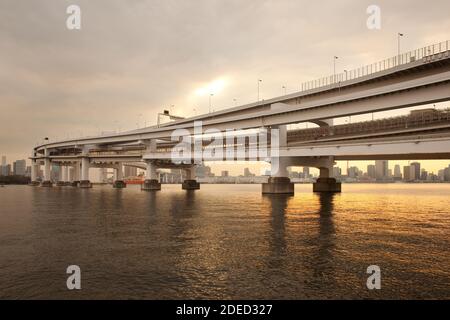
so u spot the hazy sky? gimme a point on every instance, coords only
(134, 58)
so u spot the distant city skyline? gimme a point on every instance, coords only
(81, 86)
(432, 166)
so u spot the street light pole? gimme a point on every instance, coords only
(259, 81)
(398, 46)
(210, 96)
(334, 68)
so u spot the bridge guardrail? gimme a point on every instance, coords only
(417, 120)
(438, 50)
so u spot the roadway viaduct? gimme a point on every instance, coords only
(415, 78)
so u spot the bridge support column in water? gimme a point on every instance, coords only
(60, 182)
(278, 185)
(84, 182)
(118, 175)
(66, 177)
(151, 182)
(326, 183)
(74, 175)
(46, 182)
(190, 183)
(34, 171)
(279, 182)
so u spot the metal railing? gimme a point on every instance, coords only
(117, 153)
(426, 53)
(416, 120)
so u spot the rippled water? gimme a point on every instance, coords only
(225, 241)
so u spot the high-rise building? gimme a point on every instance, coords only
(447, 174)
(397, 171)
(337, 172)
(407, 173)
(203, 171)
(3, 167)
(6, 170)
(423, 175)
(441, 175)
(19, 167)
(371, 171)
(382, 169)
(28, 171)
(352, 172)
(415, 171)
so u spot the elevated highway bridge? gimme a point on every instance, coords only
(415, 78)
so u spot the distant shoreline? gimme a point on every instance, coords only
(244, 183)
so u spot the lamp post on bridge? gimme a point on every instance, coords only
(334, 68)
(399, 36)
(259, 81)
(210, 97)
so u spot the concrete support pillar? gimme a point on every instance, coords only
(60, 182)
(70, 174)
(34, 172)
(282, 135)
(77, 171)
(84, 182)
(66, 175)
(279, 167)
(278, 185)
(151, 173)
(190, 173)
(326, 182)
(47, 169)
(279, 182)
(46, 182)
(151, 182)
(75, 175)
(326, 172)
(103, 175)
(118, 177)
(190, 183)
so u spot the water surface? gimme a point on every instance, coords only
(225, 242)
